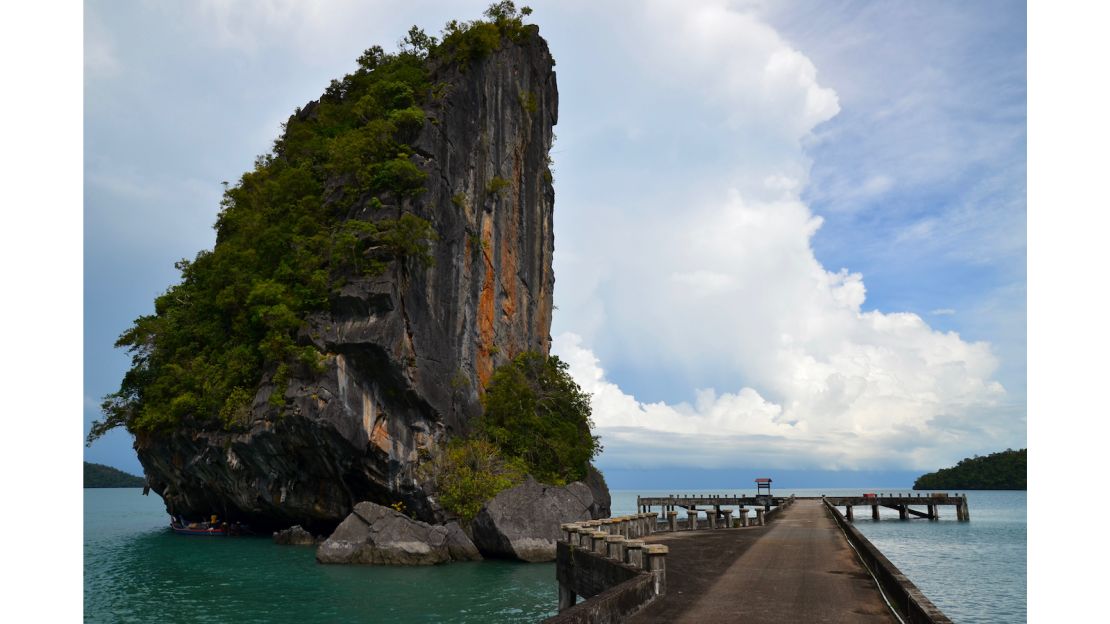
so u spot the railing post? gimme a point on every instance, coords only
(633, 553)
(598, 542)
(572, 535)
(567, 530)
(614, 547)
(656, 563)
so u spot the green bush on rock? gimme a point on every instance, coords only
(536, 412)
(467, 473)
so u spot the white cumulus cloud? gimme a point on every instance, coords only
(723, 295)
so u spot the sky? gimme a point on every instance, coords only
(788, 235)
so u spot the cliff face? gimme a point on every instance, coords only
(407, 352)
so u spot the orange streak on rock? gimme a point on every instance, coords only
(380, 435)
(485, 308)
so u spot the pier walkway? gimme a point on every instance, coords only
(798, 569)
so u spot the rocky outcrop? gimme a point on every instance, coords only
(603, 504)
(406, 353)
(295, 536)
(523, 522)
(373, 534)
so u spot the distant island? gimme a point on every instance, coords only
(101, 476)
(1004, 470)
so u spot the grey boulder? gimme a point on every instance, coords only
(373, 534)
(523, 522)
(294, 536)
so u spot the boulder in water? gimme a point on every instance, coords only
(373, 534)
(295, 536)
(523, 522)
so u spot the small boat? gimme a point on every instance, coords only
(181, 527)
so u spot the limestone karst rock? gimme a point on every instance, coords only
(405, 353)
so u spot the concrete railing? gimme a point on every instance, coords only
(604, 562)
(902, 595)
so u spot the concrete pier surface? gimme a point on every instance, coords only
(798, 569)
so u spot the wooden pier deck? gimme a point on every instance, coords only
(798, 569)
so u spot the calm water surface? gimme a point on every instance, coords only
(136, 570)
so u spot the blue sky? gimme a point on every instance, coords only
(789, 235)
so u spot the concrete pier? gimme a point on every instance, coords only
(798, 569)
(904, 504)
(792, 563)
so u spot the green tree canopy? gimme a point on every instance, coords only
(535, 411)
(1005, 470)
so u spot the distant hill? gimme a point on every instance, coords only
(101, 476)
(1004, 470)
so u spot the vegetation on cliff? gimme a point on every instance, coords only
(331, 202)
(536, 421)
(101, 476)
(536, 412)
(1005, 470)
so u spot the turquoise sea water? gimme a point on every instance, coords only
(136, 570)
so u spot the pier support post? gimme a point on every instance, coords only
(655, 558)
(743, 516)
(672, 520)
(962, 512)
(566, 598)
(692, 516)
(711, 516)
(728, 518)
(851, 517)
(932, 511)
(902, 513)
(874, 512)
(759, 511)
